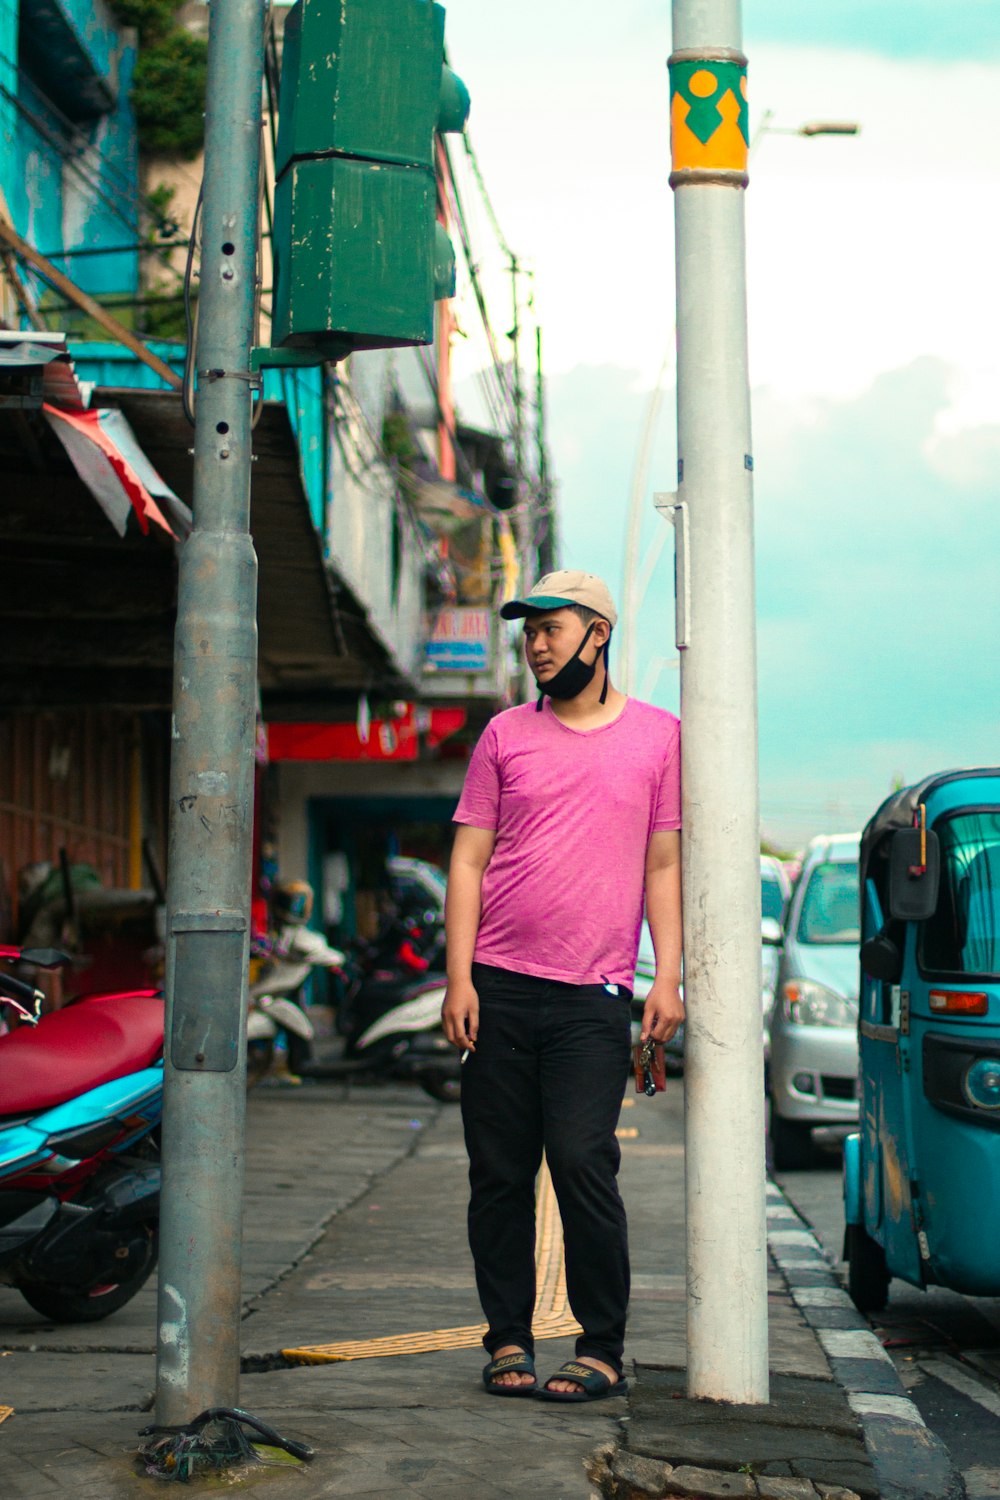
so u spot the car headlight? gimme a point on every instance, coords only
(982, 1083)
(806, 1003)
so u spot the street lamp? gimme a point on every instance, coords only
(809, 128)
(633, 595)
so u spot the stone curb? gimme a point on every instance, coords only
(621, 1475)
(910, 1462)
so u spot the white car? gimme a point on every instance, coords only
(775, 889)
(814, 1018)
(774, 893)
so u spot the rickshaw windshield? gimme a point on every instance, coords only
(963, 936)
(829, 911)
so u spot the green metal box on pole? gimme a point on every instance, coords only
(359, 255)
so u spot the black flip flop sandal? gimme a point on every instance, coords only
(596, 1385)
(510, 1364)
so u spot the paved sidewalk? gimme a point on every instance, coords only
(355, 1233)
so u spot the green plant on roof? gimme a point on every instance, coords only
(168, 87)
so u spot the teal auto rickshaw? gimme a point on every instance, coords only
(922, 1175)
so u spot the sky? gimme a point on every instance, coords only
(874, 356)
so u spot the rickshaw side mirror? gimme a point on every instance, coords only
(882, 959)
(914, 875)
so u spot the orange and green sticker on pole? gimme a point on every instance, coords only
(709, 119)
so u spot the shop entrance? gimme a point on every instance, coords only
(364, 852)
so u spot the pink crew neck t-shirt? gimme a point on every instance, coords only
(573, 811)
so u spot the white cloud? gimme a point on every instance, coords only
(876, 561)
(864, 253)
(875, 366)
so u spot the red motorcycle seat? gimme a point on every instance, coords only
(77, 1048)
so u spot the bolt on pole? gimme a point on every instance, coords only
(724, 1083)
(211, 782)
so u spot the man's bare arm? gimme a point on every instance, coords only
(470, 855)
(664, 1009)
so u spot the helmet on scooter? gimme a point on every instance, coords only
(292, 902)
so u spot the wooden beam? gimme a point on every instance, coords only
(44, 688)
(24, 300)
(75, 645)
(60, 510)
(86, 304)
(107, 587)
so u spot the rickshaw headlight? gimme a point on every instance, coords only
(982, 1083)
(806, 1003)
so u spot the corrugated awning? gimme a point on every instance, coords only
(106, 454)
(46, 368)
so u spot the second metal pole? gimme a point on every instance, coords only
(724, 1084)
(211, 780)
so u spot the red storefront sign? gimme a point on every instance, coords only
(386, 739)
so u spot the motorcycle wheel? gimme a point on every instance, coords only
(443, 1087)
(64, 1304)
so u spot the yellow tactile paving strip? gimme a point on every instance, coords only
(552, 1318)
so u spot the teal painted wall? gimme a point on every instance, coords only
(69, 165)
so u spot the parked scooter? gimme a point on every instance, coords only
(283, 966)
(81, 1092)
(390, 1016)
(399, 1034)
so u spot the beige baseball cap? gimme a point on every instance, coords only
(565, 586)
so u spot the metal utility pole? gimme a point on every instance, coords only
(523, 518)
(548, 542)
(713, 514)
(633, 588)
(211, 785)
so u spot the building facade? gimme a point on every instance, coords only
(386, 530)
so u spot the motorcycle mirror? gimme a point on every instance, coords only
(45, 958)
(914, 874)
(881, 958)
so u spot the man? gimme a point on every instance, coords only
(569, 816)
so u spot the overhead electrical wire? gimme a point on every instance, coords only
(465, 240)
(501, 387)
(424, 360)
(487, 201)
(495, 381)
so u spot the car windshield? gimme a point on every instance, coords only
(829, 912)
(772, 900)
(963, 936)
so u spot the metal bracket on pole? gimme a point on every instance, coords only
(207, 947)
(675, 511)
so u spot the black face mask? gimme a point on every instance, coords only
(571, 679)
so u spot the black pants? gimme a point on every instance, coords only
(549, 1071)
